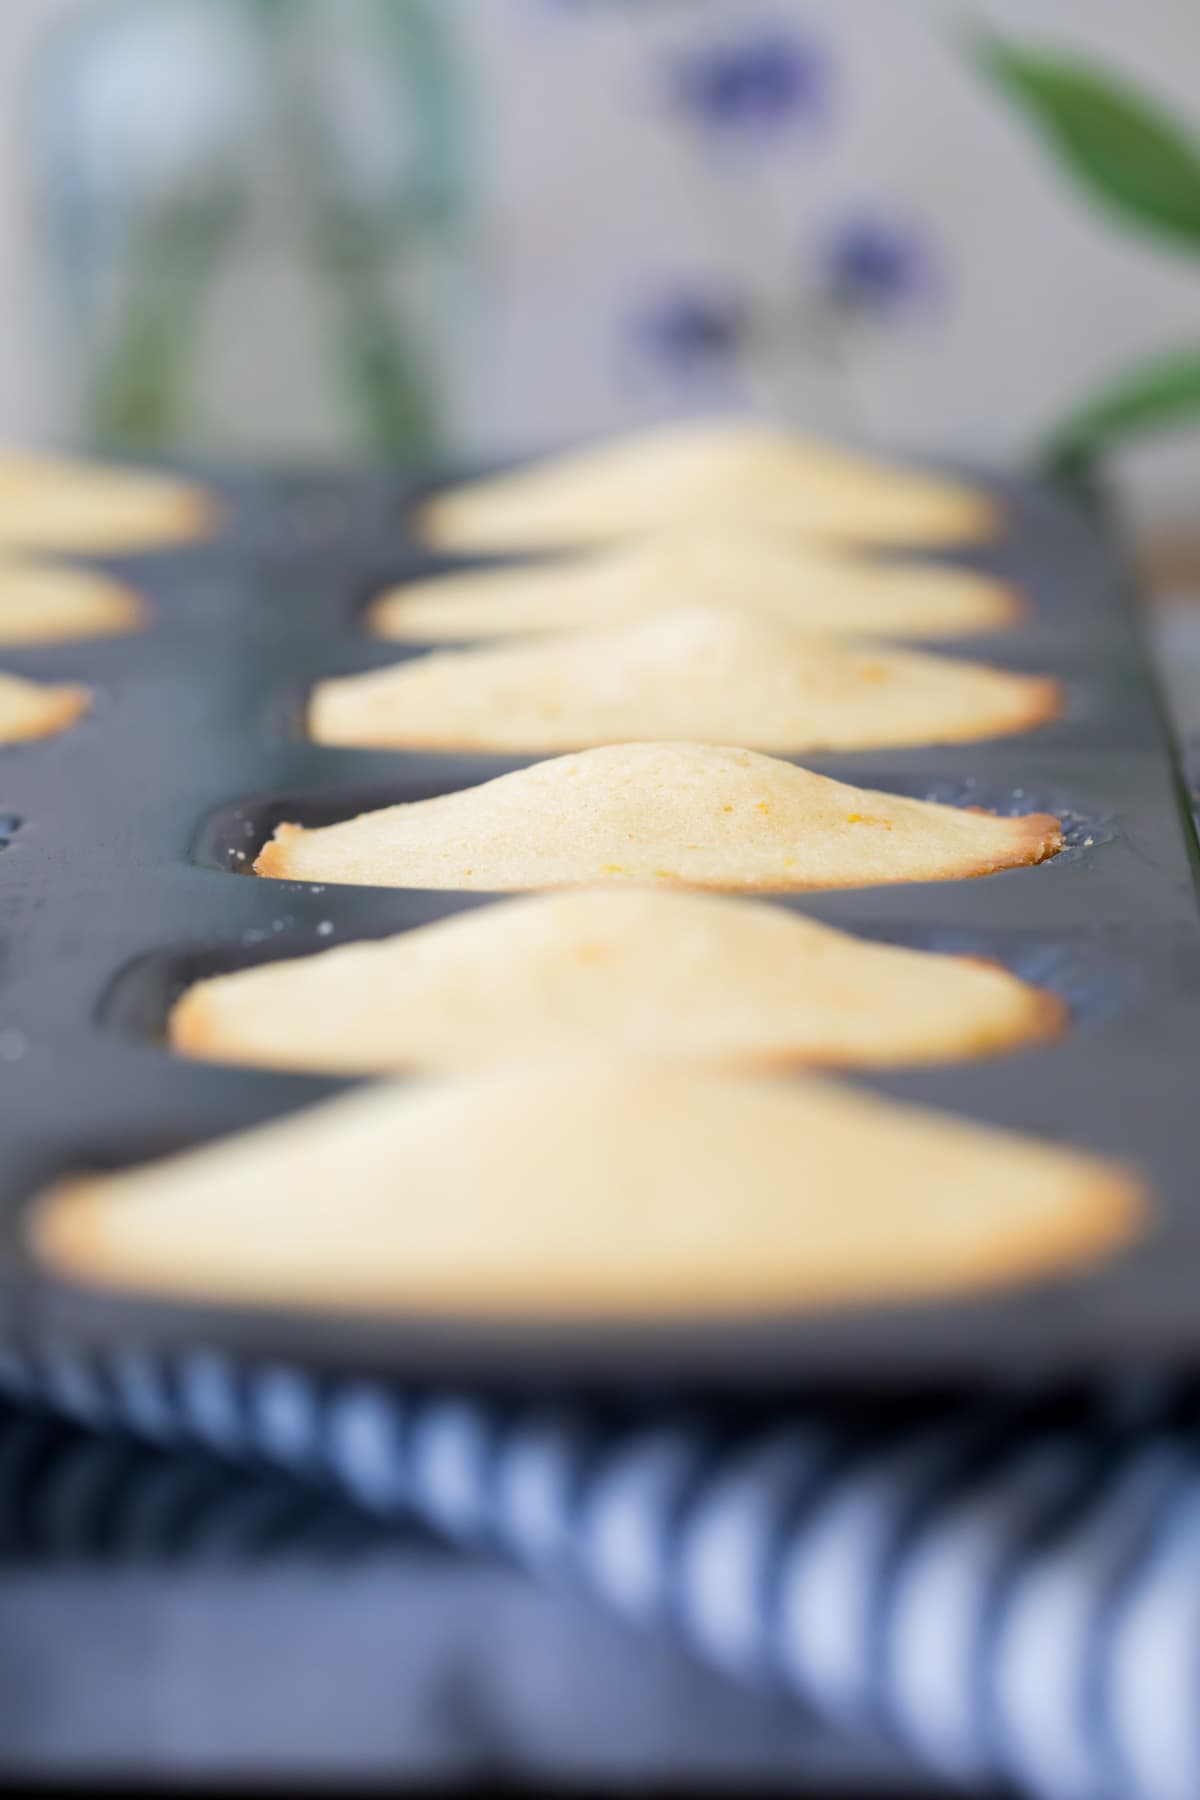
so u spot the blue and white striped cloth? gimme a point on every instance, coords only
(1010, 1587)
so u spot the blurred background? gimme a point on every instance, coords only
(319, 228)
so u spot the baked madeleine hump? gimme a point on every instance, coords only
(48, 603)
(756, 572)
(50, 502)
(728, 470)
(699, 674)
(677, 815)
(693, 977)
(570, 1190)
(37, 709)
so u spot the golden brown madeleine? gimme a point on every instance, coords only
(763, 573)
(53, 503)
(36, 709)
(684, 977)
(594, 1190)
(729, 470)
(679, 815)
(698, 674)
(46, 603)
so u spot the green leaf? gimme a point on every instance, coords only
(137, 395)
(1128, 153)
(1163, 392)
(417, 46)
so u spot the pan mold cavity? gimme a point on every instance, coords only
(1082, 829)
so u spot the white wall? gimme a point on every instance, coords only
(588, 195)
(27, 387)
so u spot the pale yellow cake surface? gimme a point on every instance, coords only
(700, 674)
(36, 709)
(738, 568)
(683, 815)
(45, 603)
(729, 470)
(694, 977)
(573, 1190)
(50, 502)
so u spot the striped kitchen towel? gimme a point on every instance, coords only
(1009, 1586)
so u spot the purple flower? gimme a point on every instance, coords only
(870, 264)
(753, 84)
(691, 331)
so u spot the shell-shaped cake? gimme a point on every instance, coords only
(694, 977)
(766, 574)
(37, 709)
(680, 815)
(724, 469)
(711, 676)
(50, 502)
(569, 1189)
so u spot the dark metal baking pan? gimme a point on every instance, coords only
(117, 886)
